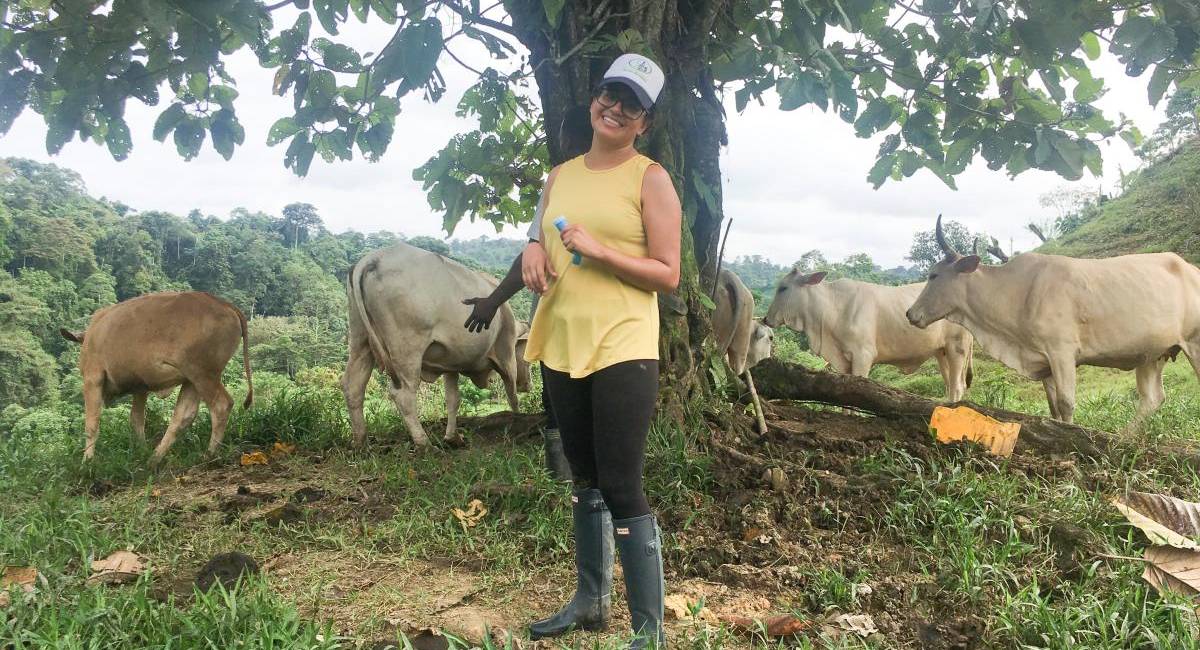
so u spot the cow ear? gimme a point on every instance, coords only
(71, 336)
(815, 278)
(967, 264)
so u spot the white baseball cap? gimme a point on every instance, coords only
(640, 74)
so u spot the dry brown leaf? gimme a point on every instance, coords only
(156, 492)
(1175, 570)
(283, 448)
(5, 599)
(254, 458)
(118, 568)
(776, 626)
(22, 576)
(964, 423)
(1164, 519)
(861, 624)
(474, 513)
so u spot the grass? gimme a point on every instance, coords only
(986, 535)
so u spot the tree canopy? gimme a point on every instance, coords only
(945, 81)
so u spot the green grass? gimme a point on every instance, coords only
(985, 534)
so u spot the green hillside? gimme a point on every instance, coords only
(1159, 212)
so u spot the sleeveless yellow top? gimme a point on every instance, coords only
(589, 318)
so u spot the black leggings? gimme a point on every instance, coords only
(604, 419)
(547, 407)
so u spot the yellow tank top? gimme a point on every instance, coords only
(590, 319)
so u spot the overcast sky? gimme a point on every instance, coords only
(793, 181)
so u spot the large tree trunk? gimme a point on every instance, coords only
(686, 136)
(781, 380)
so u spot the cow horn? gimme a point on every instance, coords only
(941, 239)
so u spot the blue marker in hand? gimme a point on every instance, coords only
(561, 224)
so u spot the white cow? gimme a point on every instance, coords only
(406, 316)
(744, 340)
(854, 325)
(1044, 315)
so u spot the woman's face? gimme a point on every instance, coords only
(617, 115)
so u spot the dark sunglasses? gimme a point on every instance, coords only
(609, 95)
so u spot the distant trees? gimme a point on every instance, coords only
(925, 252)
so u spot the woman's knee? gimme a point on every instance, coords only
(624, 498)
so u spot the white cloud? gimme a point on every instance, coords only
(794, 181)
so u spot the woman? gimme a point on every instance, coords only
(596, 334)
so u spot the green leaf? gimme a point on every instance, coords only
(282, 129)
(882, 170)
(189, 137)
(198, 85)
(167, 120)
(1159, 82)
(321, 88)
(226, 132)
(337, 57)
(553, 9)
(117, 138)
(299, 154)
(706, 301)
(1091, 45)
(331, 13)
(920, 130)
(223, 95)
(385, 9)
(877, 116)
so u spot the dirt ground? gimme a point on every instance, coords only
(752, 554)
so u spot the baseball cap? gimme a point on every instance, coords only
(641, 74)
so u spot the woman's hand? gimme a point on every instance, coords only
(536, 270)
(578, 240)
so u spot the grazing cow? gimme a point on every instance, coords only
(854, 325)
(154, 343)
(1044, 315)
(744, 340)
(406, 316)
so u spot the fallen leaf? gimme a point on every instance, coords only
(1175, 570)
(254, 458)
(119, 568)
(22, 576)
(861, 624)
(5, 599)
(283, 448)
(751, 534)
(156, 492)
(965, 423)
(774, 627)
(474, 514)
(1164, 519)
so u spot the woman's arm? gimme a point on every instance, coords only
(662, 217)
(536, 269)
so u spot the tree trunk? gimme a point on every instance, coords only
(686, 135)
(780, 380)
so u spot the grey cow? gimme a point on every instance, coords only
(406, 316)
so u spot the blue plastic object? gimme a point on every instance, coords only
(561, 224)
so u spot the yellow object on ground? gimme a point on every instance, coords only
(963, 423)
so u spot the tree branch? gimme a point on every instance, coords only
(480, 20)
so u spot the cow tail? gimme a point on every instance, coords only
(359, 298)
(736, 308)
(246, 357)
(970, 365)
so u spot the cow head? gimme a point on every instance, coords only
(792, 297)
(522, 364)
(946, 289)
(761, 340)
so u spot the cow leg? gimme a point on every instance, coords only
(943, 363)
(404, 396)
(860, 364)
(1150, 392)
(1192, 350)
(186, 406)
(93, 403)
(1062, 374)
(956, 376)
(354, 385)
(220, 404)
(1051, 396)
(453, 399)
(137, 417)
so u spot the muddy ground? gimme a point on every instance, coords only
(786, 506)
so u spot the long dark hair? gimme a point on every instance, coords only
(575, 132)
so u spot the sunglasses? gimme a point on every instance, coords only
(610, 95)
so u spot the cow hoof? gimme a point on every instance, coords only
(456, 441)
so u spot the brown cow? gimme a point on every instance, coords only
(154, 343)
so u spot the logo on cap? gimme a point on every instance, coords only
(640, 65)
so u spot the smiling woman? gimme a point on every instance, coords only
(610, 242)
